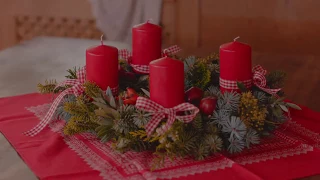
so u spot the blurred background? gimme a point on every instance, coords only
(284, 34)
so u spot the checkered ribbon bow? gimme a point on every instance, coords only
(76, 89)
(260, 81)
(159, 113)
(126, 55)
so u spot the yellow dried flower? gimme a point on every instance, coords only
(250, 112)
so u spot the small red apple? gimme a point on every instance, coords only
(131, 96)
(132, 100)
(130, 92)
(194, 95)
(208, 105)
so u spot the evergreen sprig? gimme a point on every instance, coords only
(72, 73)
(47, 87)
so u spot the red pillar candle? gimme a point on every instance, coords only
(146, 43)
(102, 66)
(167, 82)
(235, 65)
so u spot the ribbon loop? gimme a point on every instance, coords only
(126, 55)
(76, 89)
(260, 81)
(159, 113)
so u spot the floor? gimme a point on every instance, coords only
(23, 66)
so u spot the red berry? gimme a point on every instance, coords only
(130, 92)
(194, 95)
(208, 105)
(132, 100)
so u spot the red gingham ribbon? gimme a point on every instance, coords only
(232, 85)
(126, 55)
(260, 81)
(159, 113)
(76, 89)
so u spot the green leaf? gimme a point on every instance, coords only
(102, 113)
(120, 101)
(111, 112)
(112, 102)
(143, 78)
(109, 92)
(284, 108)
(242, 87)
(100, 100)
(146, 92)
(293, 106)
(279, 100)
(101, 105)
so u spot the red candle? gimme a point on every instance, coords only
(167, 82)
(235, 65)
(102, 66)
(146, 43)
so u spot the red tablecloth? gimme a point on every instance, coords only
(292, 151)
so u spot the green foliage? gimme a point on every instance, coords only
(91, 89)
(60, 113)
(48, 87)
(276, 79)
(83, 118)
(140, 81)
(125, 123)
(105, 133)
(110, 120)
(72, 73)
(199, 75)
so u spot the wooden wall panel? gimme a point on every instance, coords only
(200, 26)
(286, 26)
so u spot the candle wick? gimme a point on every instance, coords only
(101, 38)
(235, 39)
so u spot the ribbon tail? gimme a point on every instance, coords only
(47, 119)
(170, 121)
(125, 54)
(67, 82)
(171, 50)
(269, 91)
(153, 123)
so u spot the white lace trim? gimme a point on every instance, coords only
(136, 166)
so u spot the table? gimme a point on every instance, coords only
(25, 65)
(295, 154)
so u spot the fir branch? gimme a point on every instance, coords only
(221, 117)
(252, 137)
(235, 145)
(199, 75)
(105, 133)
(125, 123)
(235, 127)
(276, 79)
(213, 91)
(201, 151)
(72, 73)
(189, 62)
(214, 143)
(229, 101)
(91, 89)
(141, 118)
(47, 87)
(60, 113)
(261, 96)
